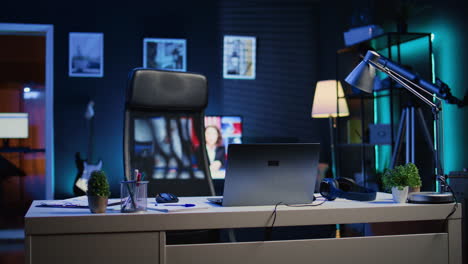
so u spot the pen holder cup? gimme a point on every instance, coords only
(133, 196)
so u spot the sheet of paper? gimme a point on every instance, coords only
(74, 202)
(79, 200)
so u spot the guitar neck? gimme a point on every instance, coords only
(90, 140)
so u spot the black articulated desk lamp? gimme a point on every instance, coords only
(363, 76)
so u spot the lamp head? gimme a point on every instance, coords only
(362, 77)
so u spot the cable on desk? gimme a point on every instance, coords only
(455, 206)
(305, 205)
(269, 230)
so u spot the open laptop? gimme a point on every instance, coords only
(267, 174)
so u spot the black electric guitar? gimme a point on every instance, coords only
(85, 166)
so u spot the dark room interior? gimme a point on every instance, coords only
(298, 44)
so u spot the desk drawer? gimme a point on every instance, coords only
(112, 248)
(411, 249)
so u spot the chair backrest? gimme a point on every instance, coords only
(164, 131)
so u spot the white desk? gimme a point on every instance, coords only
(56, 235)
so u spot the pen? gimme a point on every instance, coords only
(184, 205)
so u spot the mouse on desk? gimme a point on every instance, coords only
(166, 198)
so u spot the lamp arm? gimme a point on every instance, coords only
(403, 81)
(438, 163)
(440, 91)
(420, 88)
(413, 91)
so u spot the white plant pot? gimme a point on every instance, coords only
(400, 196)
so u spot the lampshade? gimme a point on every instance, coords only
(362, 77)
(326, 99)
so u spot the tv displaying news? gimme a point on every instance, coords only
(166, 148)
(220, 131)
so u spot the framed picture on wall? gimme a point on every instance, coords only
(165, 54)
(239, 57)
(86, 54)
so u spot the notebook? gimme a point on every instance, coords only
(267, 174)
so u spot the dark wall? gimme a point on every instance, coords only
(276, 106)
(296, 46)
(124, 27)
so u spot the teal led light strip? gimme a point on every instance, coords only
(436, 147)
(376, 120)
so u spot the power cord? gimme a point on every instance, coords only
(269, 229)
(455, 206)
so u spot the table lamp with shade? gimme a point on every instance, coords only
(329, 102)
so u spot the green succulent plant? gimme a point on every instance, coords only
(401, 176)
(98, 184)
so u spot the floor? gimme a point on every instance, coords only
(11, 240)
(12, 246)
(13, 208)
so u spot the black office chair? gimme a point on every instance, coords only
(164, 131)
(164, 135)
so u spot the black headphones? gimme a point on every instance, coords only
(345, 188)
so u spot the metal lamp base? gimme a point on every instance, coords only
(430, 197)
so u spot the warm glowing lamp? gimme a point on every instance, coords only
(329, 102)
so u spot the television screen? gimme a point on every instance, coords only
(220, 131)
(166, 148)
(14, 125)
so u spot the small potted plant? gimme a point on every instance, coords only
(98, 192)
(400, 179)
(414, 178)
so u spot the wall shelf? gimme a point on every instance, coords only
(384, 41)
